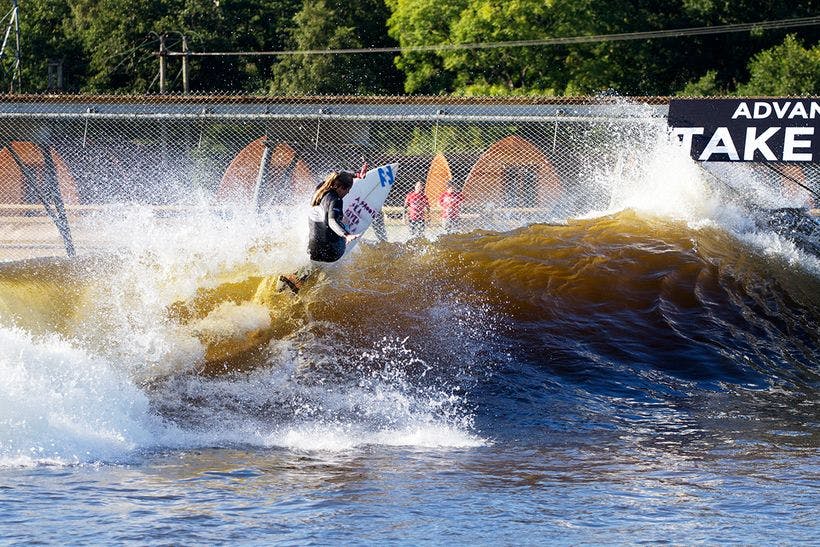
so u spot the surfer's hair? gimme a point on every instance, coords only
(337, 180)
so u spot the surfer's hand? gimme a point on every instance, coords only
(351, 237)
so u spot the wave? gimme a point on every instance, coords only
(185, 343)
(619, 272)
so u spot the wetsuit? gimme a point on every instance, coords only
(327, 233)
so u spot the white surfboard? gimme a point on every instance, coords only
(366, 198)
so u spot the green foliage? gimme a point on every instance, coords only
(351, 24)
(111, 45)
(424, 23)
(424, 139)
(44, 37)
(445, 138)
(706, 85)
(786, 69)
(236, 25)
(633, 67)
(510, 68)
(449, 138)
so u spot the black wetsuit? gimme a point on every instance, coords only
(327, 234)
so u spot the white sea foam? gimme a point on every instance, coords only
(229, 319)
(62, 405)
(291, 404)
(59, 404)
(341, 437)
(654, 175)
(167, 260)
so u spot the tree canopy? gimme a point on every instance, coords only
(786, 69)
(112, 45)
(347, 24)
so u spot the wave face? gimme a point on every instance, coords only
(460, 341)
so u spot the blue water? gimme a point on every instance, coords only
(556, 490)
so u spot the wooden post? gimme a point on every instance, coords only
(186, 86)
(162, 55)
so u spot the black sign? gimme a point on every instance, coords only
(785, 130)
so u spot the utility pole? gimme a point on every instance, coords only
(162, 54)
(186, 85)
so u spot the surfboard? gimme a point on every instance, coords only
(366, 198)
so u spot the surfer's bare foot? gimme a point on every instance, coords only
(291, 282)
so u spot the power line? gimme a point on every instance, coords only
(646, 35)
(132, 50)
(10, 12)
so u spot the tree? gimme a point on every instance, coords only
(120, 39)
(44, 26)
(352, 25)
(111, 45)
(115, 34)
(502, 70)
(424, 23)
(238, 25)
(786, 69)
(632, 67)
(705, 86)
(729, 54)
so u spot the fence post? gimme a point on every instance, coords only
(88, 111)
(186, 87)
(162, 55)
(262, 179)
(322, 111)
(439, 113)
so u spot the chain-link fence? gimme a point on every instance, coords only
(514, 161)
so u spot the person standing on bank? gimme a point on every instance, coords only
(416, 210)
(450, 202)
(328, 235)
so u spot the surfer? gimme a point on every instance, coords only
(328, 234)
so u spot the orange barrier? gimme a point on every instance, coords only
(284, 167)
(13, 182)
